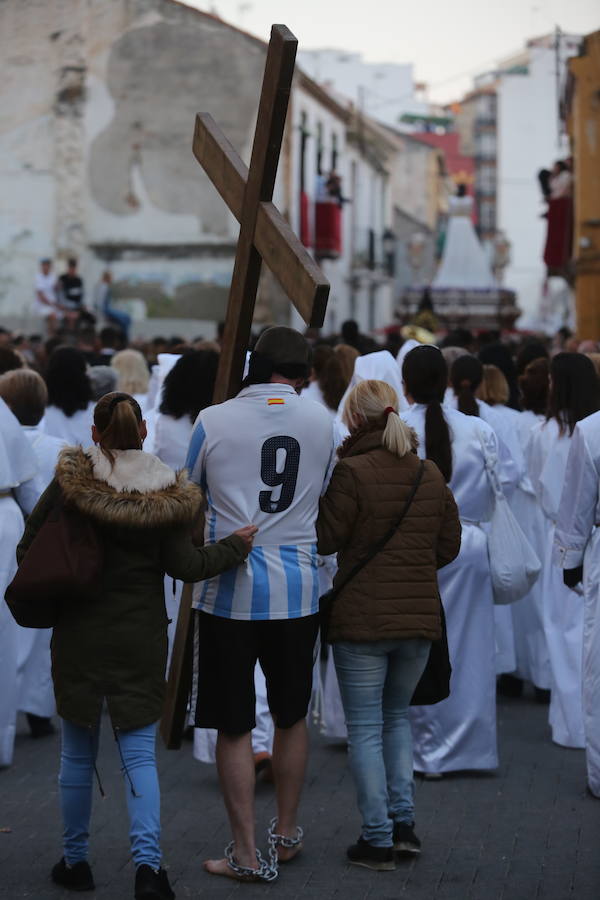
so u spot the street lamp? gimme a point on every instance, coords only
(388, 242)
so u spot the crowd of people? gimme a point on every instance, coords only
(342, 464)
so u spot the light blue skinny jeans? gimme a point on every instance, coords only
(77, 760)
(377, 681)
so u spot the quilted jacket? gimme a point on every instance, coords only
(396, 594)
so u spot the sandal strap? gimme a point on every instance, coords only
(264, 872)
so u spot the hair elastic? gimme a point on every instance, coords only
(388, 410)
(114, 402)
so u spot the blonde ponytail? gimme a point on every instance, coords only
(375, 403)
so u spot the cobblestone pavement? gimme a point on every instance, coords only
(528, 832)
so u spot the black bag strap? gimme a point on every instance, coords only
(378, 547)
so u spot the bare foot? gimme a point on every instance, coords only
(286, 854)
(222, 867)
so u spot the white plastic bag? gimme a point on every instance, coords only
(514, 564)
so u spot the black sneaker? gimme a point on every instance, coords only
(75, 878)
(364, 854)
(405, 839)
(152, 884)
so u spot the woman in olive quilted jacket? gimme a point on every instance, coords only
(384, 619)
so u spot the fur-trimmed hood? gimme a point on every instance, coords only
(139, 491)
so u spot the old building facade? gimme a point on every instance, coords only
(97, 162)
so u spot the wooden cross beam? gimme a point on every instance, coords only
(264, 235)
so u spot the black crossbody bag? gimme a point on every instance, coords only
(435, 681)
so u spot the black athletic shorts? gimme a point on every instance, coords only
(225, 654)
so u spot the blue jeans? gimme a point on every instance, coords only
(377, 681)
(77, 760)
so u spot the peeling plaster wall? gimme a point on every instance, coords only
(96, 125)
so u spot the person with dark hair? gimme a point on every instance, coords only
(574, 395)
(473, 385)
(459, 337)
(70, 404)
(25, 393)
(17, 466)
(351, 335)
(577, 554)
(46, 305)
(111, 340)
(327, 383)
(466, 377)
(264, 454)
(114, 650)
(116, 317)
(534, 385)
(530, 645)
(10, 360)
(460, 732)
(187, 390)
(530, 351)
(70, 292)
(499, 355)
(466, 374)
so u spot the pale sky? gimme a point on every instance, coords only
(447, 40)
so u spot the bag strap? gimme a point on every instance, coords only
(490, 461)
(378, 547)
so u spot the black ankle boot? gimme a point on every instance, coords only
(152, 884)
(75, 878)
(39, 726)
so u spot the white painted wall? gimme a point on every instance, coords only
(528, 140)
(384, 90)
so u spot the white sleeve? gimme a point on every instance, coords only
(577, 511)
(196, 457)
(332, 458)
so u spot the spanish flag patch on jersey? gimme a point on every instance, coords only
(275, 401)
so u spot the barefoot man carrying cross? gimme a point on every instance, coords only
(264, 454)
(264, 457)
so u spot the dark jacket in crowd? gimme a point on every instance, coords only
(396, 594)
(115, 647)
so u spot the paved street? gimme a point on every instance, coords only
(529, 832)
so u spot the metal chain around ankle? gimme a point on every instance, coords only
(264, 871)
(281, 840)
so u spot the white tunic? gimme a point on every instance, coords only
(17, 464)
(313, 392)
(532, 660)
(172, 439)
(460, 732)
(36, 692)
(380, 366)
(563, 608)
(75, 429)
(170, 443)
(577, 540)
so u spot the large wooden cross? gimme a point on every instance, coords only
(266, 236)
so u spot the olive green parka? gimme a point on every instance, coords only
(114, 646)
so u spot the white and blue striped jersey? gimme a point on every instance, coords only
(263, 458)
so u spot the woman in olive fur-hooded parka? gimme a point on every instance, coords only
(115, 646)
